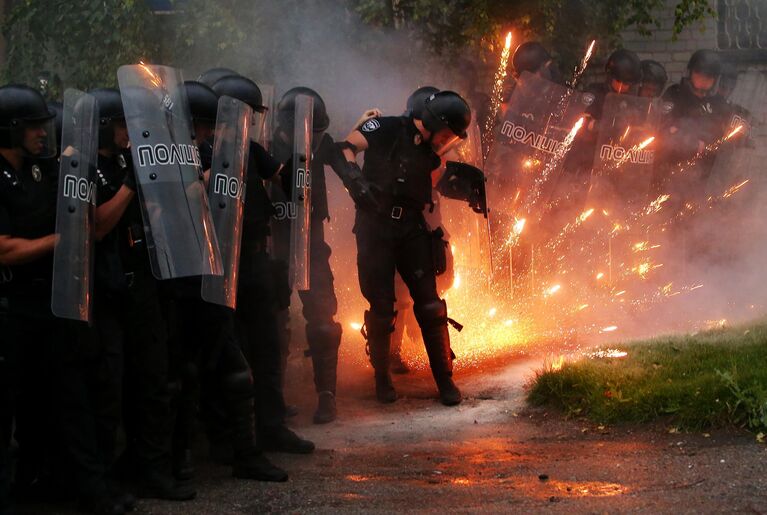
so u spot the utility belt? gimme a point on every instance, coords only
(400, 210)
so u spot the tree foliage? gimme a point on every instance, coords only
(84, 45)
(566, 26)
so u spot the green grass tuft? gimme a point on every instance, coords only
(713, 378)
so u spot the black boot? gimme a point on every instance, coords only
(326, 408)
(397, 365)
(324, 340)
(254, 465)
(378, 330)
(282, 439)
(432, 317)
(158, 485)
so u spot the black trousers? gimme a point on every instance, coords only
(262, 293)
(135, 321)
(385, 245)
(63, 393)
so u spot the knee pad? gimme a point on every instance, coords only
(431, 314)
(323, 337)
(238, 383)
(378, 324)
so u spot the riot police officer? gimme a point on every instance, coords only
(654, 79)
(533, 57)
(213, 362)
(54, 368)
(390, 194)
(623, 72)
(698, 115)
(263, 288)
(128, 311)
(323, 333)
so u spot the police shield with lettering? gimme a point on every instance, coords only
(625, 150)
(226, 194)
(301, 192)
(72, 290)
(177, 219)
(531, 144)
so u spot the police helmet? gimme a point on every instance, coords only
(529, 57)
(242, 89)
(287, 106)
(21, 107)
(211, 76)
(446, 109)
(203, 101)
(415, 101)
(706, 62)
(625, 66)
(110, 110)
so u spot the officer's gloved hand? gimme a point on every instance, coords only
(129, 181)
(365, 194)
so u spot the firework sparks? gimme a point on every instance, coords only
(609, 328)
(734, 189)
(497, 95)
(584, 63)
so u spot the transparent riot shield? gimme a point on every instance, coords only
(532, 142)
(301, 193)
(469, 231)
(625, 152)
(265, 138)
(226, 194)
(179, 230)
(72, 290)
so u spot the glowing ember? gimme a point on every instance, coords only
(492, 312)
(600, 275)
(355, 325)
(584, 216)
(557, 364)
(519, 226)
(554, 289)
(609, 328)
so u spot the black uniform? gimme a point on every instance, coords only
(215, 373)
(320, 305)
(55, 371)
(395, 237)
(692, 120)
(263, 291)
(128, 312)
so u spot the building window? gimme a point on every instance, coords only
(742, 24)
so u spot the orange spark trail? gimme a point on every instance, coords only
(497, 95)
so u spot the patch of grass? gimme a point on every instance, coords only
(713, 378)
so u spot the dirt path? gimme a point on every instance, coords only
(491, 454)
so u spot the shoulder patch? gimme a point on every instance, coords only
(371, 125)
(588, 99)
(667, 107)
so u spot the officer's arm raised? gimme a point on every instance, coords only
(17, 251)
(110, 212)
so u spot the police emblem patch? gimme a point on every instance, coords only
(371, 125)
(588, 99)
(37, 175)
